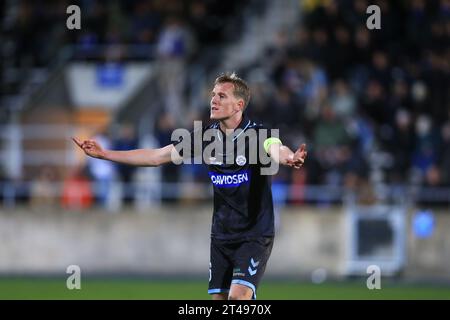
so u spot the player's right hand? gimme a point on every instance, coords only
(90, 147)
(298, 158)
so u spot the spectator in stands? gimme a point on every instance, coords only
(170, 173)
(174, 46)
(77, 190)
(332, 145)
(444, 162)
(43, 193)
(401, 146)
(342, 100)
(426, 145)
(126, 140)
(103, 173)
(342, 52)
(145, 23)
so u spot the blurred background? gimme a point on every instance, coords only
(372, 105)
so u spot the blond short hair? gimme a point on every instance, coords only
(241, 89)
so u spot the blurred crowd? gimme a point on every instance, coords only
(372, 105)
(115, 30)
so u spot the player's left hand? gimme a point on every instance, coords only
(298, 158)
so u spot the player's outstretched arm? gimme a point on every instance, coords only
(283, 155)
(136, 157)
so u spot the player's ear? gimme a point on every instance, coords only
(240, 105)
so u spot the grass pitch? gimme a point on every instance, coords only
(151, 289)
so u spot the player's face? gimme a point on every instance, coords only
(223, 102)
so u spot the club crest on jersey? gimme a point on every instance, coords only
(241, 160)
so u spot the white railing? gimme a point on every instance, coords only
(14, 155)
(150, 187)
(144, 194)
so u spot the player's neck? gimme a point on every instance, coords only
(228, 125)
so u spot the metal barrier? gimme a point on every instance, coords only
(151, 192)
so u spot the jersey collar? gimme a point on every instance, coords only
(243, 125)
